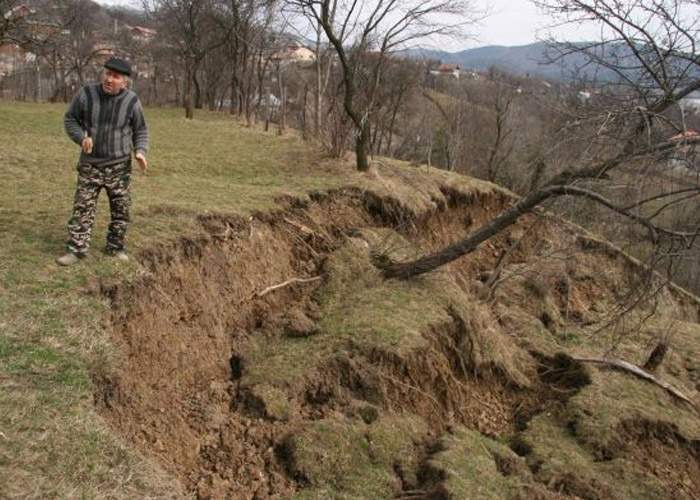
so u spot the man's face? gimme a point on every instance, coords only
(113, 82)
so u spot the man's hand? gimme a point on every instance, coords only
(141, 160)
(87, 145)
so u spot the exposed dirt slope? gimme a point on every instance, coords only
(452, 385)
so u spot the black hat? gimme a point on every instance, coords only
(118, 65)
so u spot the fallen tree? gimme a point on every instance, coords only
(633, 123)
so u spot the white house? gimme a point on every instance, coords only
(449, 70)
(294, 54)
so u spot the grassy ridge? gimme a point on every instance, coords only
(51, 443)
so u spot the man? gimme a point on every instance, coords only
(106, 120)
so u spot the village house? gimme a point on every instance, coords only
(683, 158)
(13, 57)
(448, 70)
(294, 54)
(141, 34)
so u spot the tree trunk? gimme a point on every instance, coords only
(197, 91)
(79, 73)
(282, 121)
(468, 245)
(361, 146)
(154, 86)
(56, 85)
(189, 111)
(283, 111)
(319, 88)
(392, 123)
(508, 218)
(361, 123)
(233, 105)
(376, 134)
(304, 114)
(176, 83)
(244, 87)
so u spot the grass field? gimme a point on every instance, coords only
(51, 443)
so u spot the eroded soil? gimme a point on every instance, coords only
(351, 386)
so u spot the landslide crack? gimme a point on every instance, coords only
(223, 386)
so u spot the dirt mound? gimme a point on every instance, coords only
(270, 357)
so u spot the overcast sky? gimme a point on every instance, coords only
(512, 22)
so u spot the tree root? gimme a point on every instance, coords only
(286, 283)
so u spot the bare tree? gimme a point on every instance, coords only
(322, 74)
(502, 146)
(189, 26)
(240, 16)
(363, 34)
(89, 32)
(403, 79)
(254, 34)
(66, 36)
(631, 134)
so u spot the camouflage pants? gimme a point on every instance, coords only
(115, 180)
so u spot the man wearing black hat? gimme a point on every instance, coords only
(106, 120)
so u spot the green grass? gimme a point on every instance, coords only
(568, 466)
(358, 308)
(468, 462)
(52, 334)
(350, 460)
(602, 407)
(584, 446)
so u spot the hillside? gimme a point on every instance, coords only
(190, 372)
(534, 60)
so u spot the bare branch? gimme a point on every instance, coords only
(639, 372)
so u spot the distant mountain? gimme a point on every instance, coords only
(521, 60)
